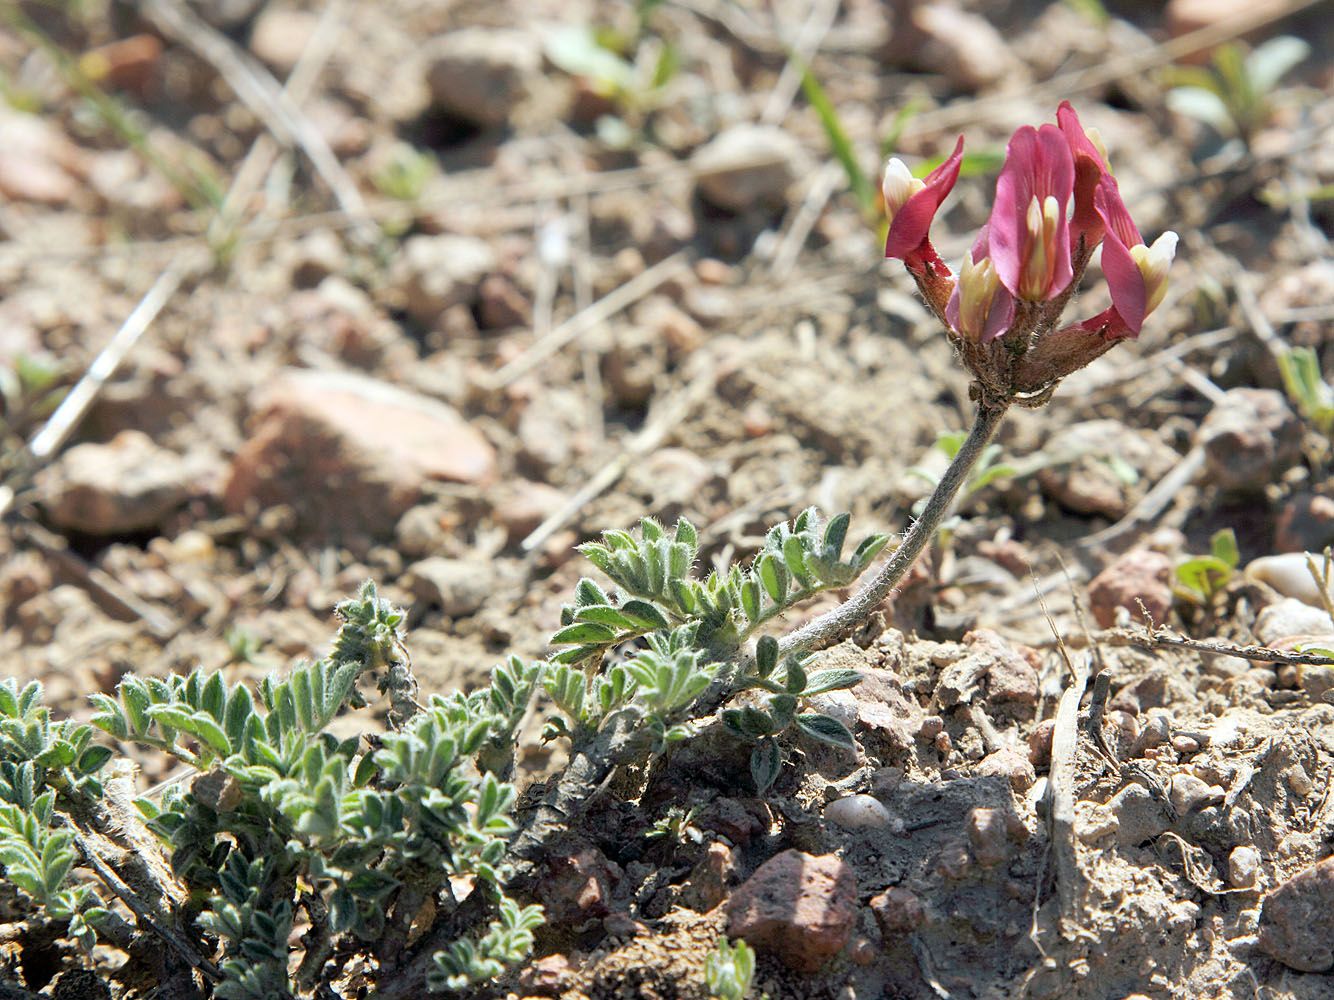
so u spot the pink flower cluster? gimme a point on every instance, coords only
(1056, 201)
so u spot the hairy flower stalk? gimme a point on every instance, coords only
(1056, 202)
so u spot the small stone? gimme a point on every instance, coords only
(128, 484)
(1250, 438)
(433, 273)
(133, 64)
(1011, 676)
(1139, 816)
(1090, 483)
(1189, 793)
(38, 163)
(731, 819)
(708, 882)
(1139, 576)
(898, 911)
(988, 836)
(1290, 617)
(1155, 730)
(350, 453)
(1100, 822)
(524, 505)
(858, 812)
(457, 586)
(1012, 764)
(960, 45)
(1297, 920)
(952, 861)
(280, 35)
(1304, 523)
(798, 907)
(1243, 866)
(931, 727)
(1039, 743)
(1185, 745)
(1290, 575)
(316, 256)
(747, 166)
(1299, 781)
(480, 75)
(578, 886)
(501, 305)
(669, 323)
(547, 976)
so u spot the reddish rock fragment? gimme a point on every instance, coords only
(578, 887)
(1011, 677)
(798, 907)
(1012, 764)
(898, 911)
(547, 976)
(350, 453)
(1297, 920)
(1139, 576)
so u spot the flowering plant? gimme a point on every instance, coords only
(1056, 202)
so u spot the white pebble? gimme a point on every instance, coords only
(858, 812)
(1242, 865)
(1287, 573)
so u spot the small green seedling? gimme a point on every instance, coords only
(729, 970)
(676, 826)
(1307, 387)
(1202, 578)
(1234, 96)
(632, 69)
(405, 173)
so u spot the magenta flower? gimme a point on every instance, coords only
(1090, 158)
(1030, 240)
(911, 205)
(979, 310)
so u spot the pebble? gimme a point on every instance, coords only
(1188, 793)
(280, 35)
(897, 911)
(1089, 483)
(1250, 438)
(1012, 678)
(858, 812)
(127, 484)
(457, 586)
(992, 834)
(748, 166)
(524, 505)
(1139, 816)
(962, 46)
(1304, 523)
(1243, 866)
(1039, 743)
(323, 435)
(1289, 574)
(578, 886)
(1299, 781)
(710, 879)
(480, 75)
(38, 163)
(433, 273)
(800, 908)
(1139, 576)
(1099, 822)
(501, 305)
(1297, 920)
(1155, 730)
(1012, 764)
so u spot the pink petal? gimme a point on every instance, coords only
(999, 317)
(1089, 171)
(911, 225)
(1109, 322)
(1124, 280)
(1038, 164)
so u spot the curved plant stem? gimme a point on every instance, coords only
(844, 620)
